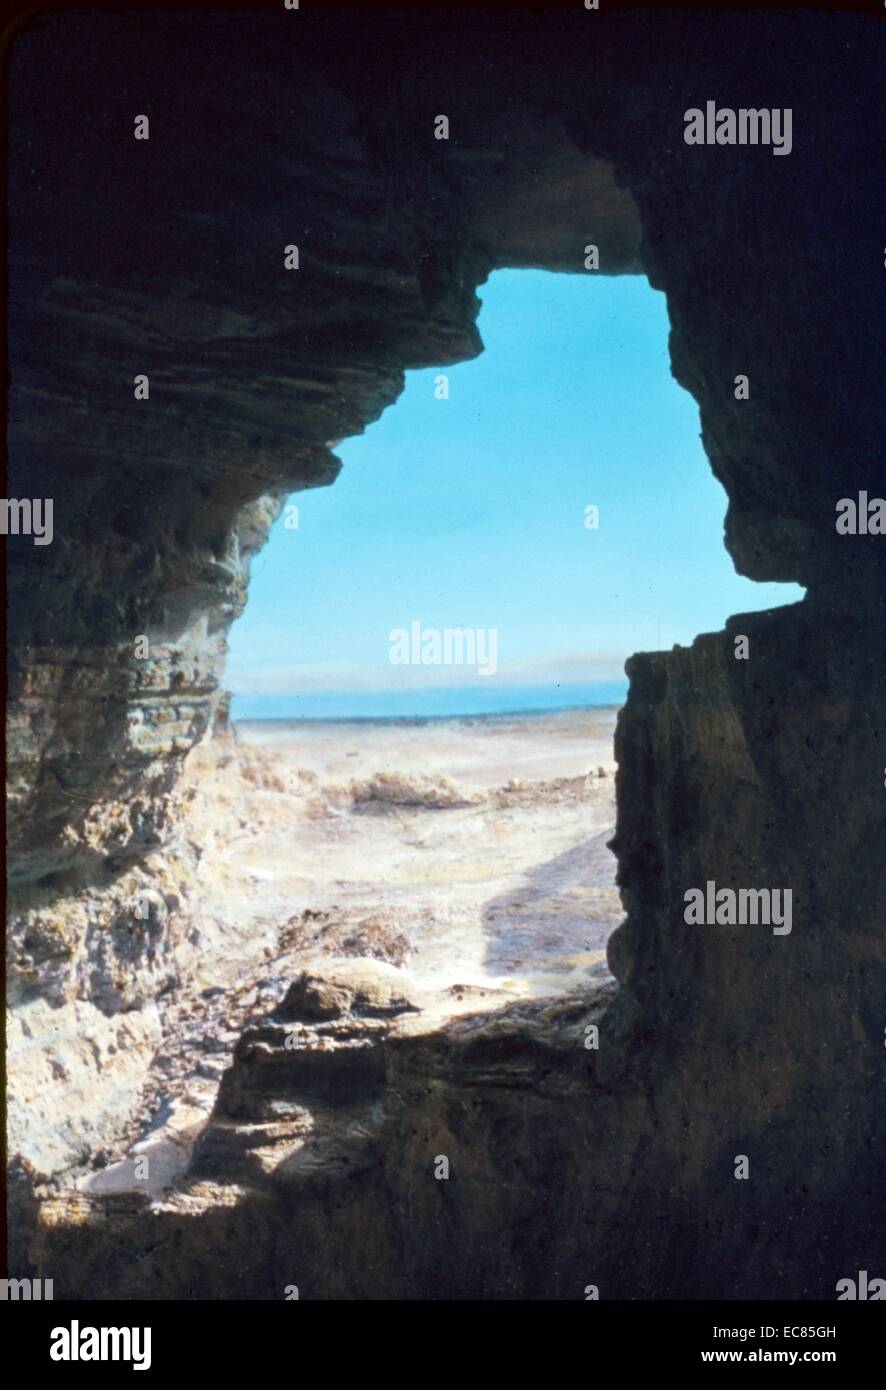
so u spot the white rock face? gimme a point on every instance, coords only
(74, 1073)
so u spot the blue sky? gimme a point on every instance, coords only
(470, 513)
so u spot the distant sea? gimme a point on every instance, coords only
(442, 703)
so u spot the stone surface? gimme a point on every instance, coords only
(365, 987)
(568, 1167)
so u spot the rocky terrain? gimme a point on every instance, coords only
(476, 890)
(568, 1165)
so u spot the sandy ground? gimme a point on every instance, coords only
(469, 854)
(470, 851)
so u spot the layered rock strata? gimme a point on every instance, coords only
(167, 258)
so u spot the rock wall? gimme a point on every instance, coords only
(165, 257)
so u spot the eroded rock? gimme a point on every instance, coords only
(564, 1162)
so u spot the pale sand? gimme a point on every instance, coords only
(470, 855)
(510, 883)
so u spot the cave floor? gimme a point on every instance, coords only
(477, 888)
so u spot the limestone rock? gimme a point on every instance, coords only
(566, 131)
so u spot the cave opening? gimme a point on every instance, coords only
(148, 948)
(428, 672)
(428, 838)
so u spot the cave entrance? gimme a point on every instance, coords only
(427, 675)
